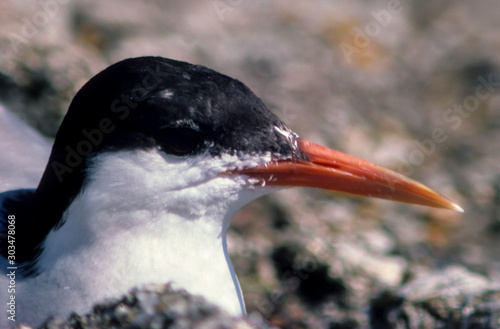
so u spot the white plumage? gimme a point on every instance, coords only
(144, 217)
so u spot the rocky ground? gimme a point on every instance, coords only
(411, 85)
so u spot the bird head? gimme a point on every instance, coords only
(186, 112)
(204, 129)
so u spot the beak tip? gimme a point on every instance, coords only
(457, 208)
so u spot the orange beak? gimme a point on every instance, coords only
(333, 170)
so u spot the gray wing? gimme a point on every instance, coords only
(24, 153)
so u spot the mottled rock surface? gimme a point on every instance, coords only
(451, 298)
(154, 306)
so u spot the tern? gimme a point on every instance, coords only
(149, 165)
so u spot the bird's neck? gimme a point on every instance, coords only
(109, 260)
(123, 232)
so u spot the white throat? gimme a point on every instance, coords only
(144, 217)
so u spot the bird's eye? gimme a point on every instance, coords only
(181, 141)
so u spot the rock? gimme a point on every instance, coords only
(452, 298)
(153, 306)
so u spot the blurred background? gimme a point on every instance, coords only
(410, 85)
